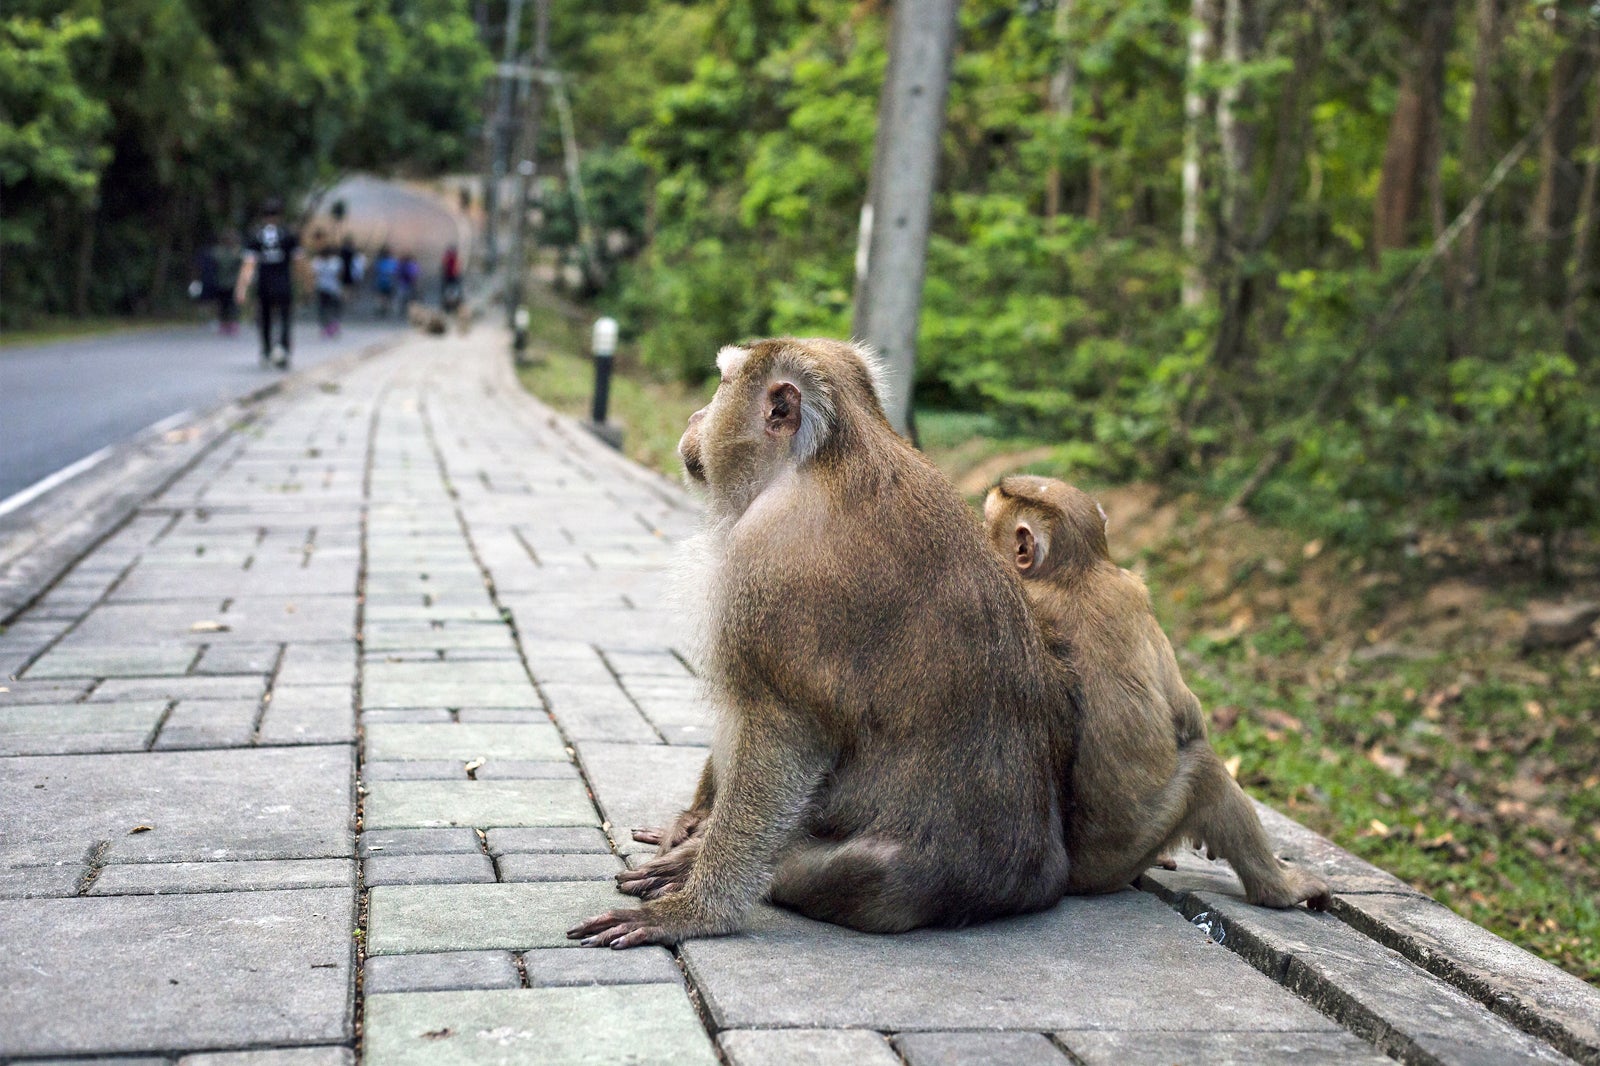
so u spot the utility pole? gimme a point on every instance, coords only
(497, 137)
(894, 222)
(528, 164)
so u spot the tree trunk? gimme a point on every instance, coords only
(1095, 206)
(1583, 242)
(1554, 207)
(86, 234)
(1194, 110)
(1060, 101)
(1465, 274)
(1410, 159)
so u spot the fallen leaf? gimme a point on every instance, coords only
(435, 1034)
(210, 627)
(1281, 720)
(1534, 708)
(1377, 828)
(1312, 549)
(1393, 764)
(140, 829)
(1232, 766)
(475, 764)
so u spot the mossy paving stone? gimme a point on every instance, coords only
(405, 919)
(479, 804)
(603, 1026)
(535, 740)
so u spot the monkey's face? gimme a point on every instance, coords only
(689, 448)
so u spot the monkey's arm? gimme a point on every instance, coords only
(678, 847)
(688, 821)
(771, 772)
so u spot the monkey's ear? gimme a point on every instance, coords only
(782, 409)
(1028, 555)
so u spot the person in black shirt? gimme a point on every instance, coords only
(269, 257)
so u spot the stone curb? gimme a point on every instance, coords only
(41, 540)
(1380, 925)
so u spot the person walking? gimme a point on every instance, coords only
(385, 276)
(269, 257)
(450, 280)
(228, 257)
(410, 277)
(328, 272)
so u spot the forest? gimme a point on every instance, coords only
(1335, 260)
(133, 131)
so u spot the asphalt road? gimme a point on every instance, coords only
(60, 403)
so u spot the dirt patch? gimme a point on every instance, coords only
(983, 474)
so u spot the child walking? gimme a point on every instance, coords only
(328, 270)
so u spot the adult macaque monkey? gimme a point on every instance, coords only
(1144, 776)
(886, 753)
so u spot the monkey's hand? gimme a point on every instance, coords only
(669, 837)
(662, 874)
(665, 921)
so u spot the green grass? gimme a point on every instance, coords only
(652, 413)
(71, 328)
(1474, 775)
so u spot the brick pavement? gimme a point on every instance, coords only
(409, 601)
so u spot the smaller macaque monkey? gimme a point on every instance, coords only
(1145, 777)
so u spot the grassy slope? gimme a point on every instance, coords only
(1452, 761)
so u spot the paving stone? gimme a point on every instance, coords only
(24, 693)
(297, 1056)
(160, 878)
(128, 974)
(807, 1047)
(557, 840)
(1343, 871)
(421, 770)
(464, 741)
(1535, 995)
(66, 728)
(1086, 963)
(958, 1049)
(1369, 988)
(404, 919)
(551, 967)
(27, 882)
(248, 687)
(445, 971)
(526, 770)
(202, 805)
(435, 804)
(309, 714)
(149, 660)
(558, 867)
(647, 664)
(385, 869)
(487, 715)
(118, 1060)
(448, 694)
(242, 658)
(599, 712)
(406, 714)
(386, 637)
(208, 724)
(640, 786)
(557, 1026)
(318, 664)
(1146, 1048)
(420, 842)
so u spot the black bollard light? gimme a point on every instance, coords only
(605, 347)
(519, 336)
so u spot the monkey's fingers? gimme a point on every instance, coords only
(647, 836)
(619, 929)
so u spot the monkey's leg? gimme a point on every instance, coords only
(864, 883)
(1225, 820)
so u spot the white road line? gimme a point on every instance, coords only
(44, 485)
(67, 473)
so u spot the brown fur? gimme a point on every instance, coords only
(886, 754)
(1145, 776)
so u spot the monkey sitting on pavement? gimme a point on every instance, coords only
(1144, 776)
(888, 749)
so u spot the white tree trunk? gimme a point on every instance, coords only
(1194, 113)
